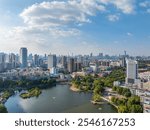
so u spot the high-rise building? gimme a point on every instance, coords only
(91, 54)
(2, 61)
(100, 55)
(36, 60)
(64, 61)
(23, 57)
(2, 57)
(77, 66)
(71, 65)
(123, 61)
(52, 61)
(12, 60)
(132, 71)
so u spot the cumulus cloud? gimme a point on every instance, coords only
(113, 18)
(58, 18)
(58, 13)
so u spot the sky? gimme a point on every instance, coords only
(75, 26)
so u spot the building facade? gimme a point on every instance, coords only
(131, 72)
(52, 61)
(23, 57)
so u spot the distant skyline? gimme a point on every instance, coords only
(75, 26)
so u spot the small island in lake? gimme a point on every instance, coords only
(34, 92)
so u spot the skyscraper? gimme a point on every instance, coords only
(132, 71)
(123, 61)
(64, 61)
(12, 60)
(52, 60)
(36, 60)
(2, 61)
(23, 57)
(71, 65)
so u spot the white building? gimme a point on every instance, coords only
(94, 67)
(132, 72)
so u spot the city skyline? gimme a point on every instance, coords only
(78, 26)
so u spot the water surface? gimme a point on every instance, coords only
(57, 99)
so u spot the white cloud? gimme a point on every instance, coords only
(58, 13)
(61, 15)
(113, 17)
(58, 18)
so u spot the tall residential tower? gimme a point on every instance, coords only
(23, 57)
(132, 71)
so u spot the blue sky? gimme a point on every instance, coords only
(75, 26)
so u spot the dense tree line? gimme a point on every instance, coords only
(115, 75)
(128, 105)
(84, 83)
(88, 82)
(122, 91)
(97, 85)
(26, 84)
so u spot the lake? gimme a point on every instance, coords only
(58, 99)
